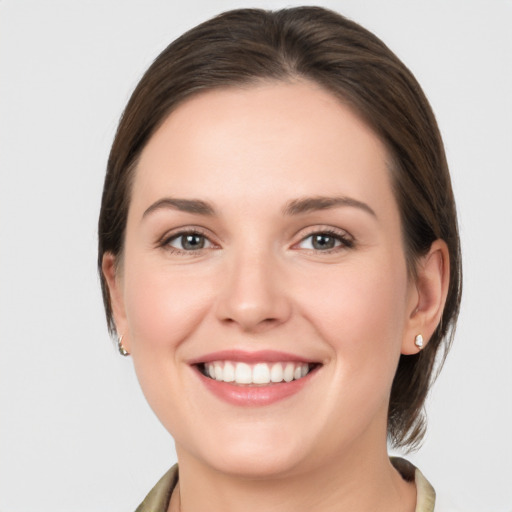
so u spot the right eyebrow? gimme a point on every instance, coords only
(308, 204)
(196, 206)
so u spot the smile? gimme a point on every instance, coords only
(254, 378)
(260, 373)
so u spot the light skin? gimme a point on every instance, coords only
(289, 194)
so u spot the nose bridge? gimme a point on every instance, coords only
(253, 294)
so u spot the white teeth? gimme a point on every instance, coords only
(229, 372)
(259, 373)
(243, 373)
(289, 370)
(218, 371)
(276, 373)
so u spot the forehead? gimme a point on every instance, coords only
(261, 142)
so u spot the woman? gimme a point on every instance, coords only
(279, 254)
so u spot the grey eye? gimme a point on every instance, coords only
(189, 242)
(320, 242)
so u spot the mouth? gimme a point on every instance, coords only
(255, 374)
(254, 378)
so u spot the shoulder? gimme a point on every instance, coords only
(427, 499)
(425, 494)
(159, 497)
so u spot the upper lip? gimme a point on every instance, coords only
(258, 356)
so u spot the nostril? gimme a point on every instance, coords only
(252, 297)
(247, 324)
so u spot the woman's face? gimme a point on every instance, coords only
(264, 244)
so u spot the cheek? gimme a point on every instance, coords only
(359, 313)
(360, 310)
(163, 306)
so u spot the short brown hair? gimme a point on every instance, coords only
(249, 45)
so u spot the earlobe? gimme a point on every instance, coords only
(110, 270)
(432, 280)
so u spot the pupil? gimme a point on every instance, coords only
(323, 242)
(192, 242)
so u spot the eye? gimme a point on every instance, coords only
(325, 241)
(188, 242)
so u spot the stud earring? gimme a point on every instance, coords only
(122, 350)
(418, 341)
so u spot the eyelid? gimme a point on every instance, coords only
(346, 239)
(168, 236)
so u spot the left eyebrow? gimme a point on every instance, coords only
(309, 204)
(184, 205)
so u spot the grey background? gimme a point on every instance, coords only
(75, 432)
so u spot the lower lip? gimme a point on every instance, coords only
(255, 395)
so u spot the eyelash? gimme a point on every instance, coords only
(345, 241)
(165, 242)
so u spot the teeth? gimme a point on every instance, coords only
(276, 373)
(288, 372)
(259, 373)
(243, 373)
(228, 372)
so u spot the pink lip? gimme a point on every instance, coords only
(254, 395)
(251, 395)
(242, 356)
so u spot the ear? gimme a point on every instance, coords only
(110, 269)
(427, 303)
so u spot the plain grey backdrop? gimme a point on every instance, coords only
(75, 431)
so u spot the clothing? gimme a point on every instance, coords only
(159, 497)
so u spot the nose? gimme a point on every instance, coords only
(253, 295)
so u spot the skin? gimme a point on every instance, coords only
(258, 284)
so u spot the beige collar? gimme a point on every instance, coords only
(160, 496)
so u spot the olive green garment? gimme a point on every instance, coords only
(159, 497)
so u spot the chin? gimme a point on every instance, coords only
(253, 457)
(257, 464)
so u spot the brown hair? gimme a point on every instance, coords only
(249, 45)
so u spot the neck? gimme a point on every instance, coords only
(359, 482)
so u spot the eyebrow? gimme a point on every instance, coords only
(184, 205)
(294, 207)
(309, 204)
